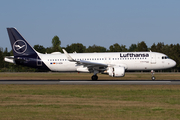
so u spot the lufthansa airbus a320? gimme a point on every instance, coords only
(112, 63)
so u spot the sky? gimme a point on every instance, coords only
(99, 22)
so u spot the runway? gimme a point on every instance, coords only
(88, 82)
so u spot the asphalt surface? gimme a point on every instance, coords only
(88, 82)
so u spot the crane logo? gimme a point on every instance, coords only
(20, 46)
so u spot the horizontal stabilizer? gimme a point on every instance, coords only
(9, 59)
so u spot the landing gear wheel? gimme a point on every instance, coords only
(153, 78)
(94, 77)
(152, 72)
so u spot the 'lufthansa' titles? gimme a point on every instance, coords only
(134, 55)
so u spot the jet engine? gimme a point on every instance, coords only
(116, 71)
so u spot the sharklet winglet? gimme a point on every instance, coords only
(68, 56)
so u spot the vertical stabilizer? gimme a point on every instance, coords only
(19, 45)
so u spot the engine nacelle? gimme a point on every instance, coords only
(116, 71)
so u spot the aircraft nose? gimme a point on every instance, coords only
(173, 63)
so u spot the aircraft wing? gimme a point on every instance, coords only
(88, 64)
(91, 64)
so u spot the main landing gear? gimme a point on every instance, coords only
(152, 72)
(94, 77)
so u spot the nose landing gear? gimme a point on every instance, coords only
(152, 72)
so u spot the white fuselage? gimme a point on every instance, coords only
(128, 60)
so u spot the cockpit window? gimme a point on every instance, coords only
(165, 57)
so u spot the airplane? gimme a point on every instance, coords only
(112, 63)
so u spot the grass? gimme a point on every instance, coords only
(85, 76)
(89, 102)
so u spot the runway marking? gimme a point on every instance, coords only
(85, 82)
(117, 82)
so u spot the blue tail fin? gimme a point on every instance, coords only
(19, 45)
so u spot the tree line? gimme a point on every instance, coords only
(172, 50)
